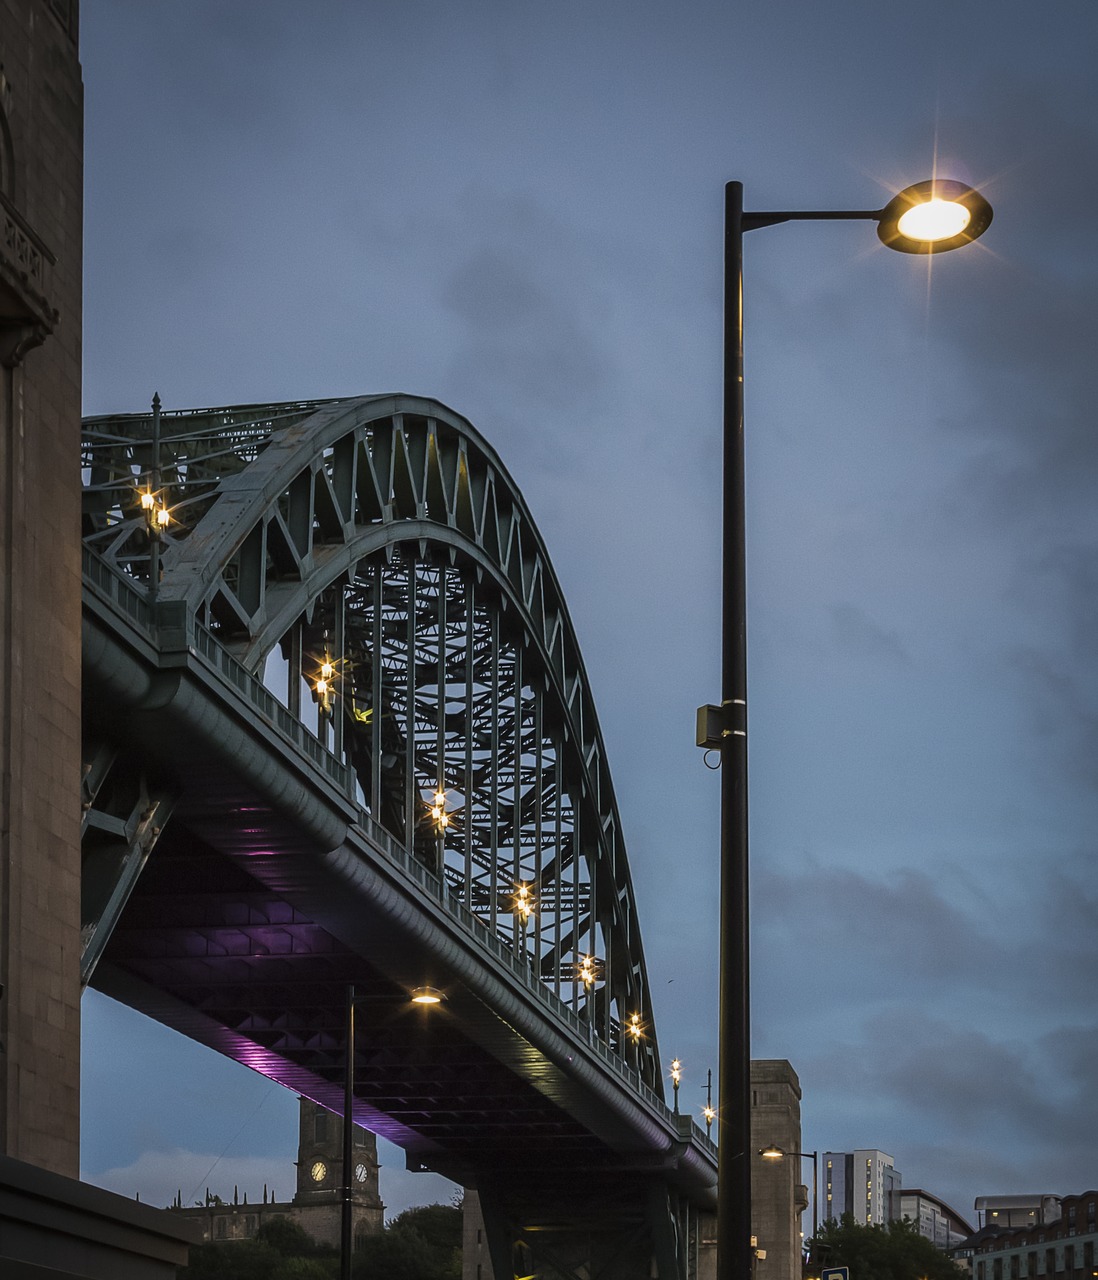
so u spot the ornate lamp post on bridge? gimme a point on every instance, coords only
(929, 217)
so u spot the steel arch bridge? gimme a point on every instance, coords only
(338, 729)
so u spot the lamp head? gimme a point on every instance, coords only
(933, 217)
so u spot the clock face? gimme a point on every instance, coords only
(319, 1171)
(360, 1172)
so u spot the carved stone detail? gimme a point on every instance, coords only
(27, 317)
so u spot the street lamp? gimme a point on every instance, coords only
(419, 995)
(776, 1153)
(929, 217)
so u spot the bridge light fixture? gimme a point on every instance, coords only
(588, 970)
(634, 1028)
(427, 995)
(709, 1111)
(324, 684)
(524, 902)
(157, 515)
(437, 808)
(676, 1080)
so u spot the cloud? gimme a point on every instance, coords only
(159, 1175)
(856, 632)
(524, 328)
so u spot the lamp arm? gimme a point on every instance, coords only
(751, 221)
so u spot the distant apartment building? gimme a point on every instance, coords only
(936, 1221)
(864, 1184)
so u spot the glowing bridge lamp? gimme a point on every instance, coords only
(676, 1080)
(709, 1111)
(524, 902)
(929, 217)
(439, 816)
(324, 685)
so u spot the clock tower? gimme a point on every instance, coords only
(320, 1162)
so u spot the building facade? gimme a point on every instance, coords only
(864, 1183)
(1065, 1248)
(778, 1191)
(317, 1204)
(937, 1222)
(41, 214)
(1017, 1211)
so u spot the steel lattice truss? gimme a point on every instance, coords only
(384, 535)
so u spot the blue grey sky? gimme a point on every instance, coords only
(516, 209)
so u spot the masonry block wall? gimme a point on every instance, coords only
(41, 183)
(775, 1202)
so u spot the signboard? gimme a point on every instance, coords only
(835, 1273)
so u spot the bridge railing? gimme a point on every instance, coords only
(159, 623)
(169, 620)
(499, 947)
(268, 706)
(123, 592)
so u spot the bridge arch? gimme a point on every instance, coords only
(384, 534)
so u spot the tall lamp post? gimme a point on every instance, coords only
(425, 997)
(776, 1153)
(930, 217)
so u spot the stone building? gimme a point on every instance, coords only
(41, 212)
(778, 1192)
(317, 1204)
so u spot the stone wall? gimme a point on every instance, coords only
(41, 181)
(775, 1184)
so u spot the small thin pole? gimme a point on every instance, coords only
(348, 1122)
(154, 485)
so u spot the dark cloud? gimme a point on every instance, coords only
(529, 320)
(856, 632)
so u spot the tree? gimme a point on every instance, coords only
(419, 1244)
(895, 1251)
(289, 1238)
